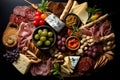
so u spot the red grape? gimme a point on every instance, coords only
(94, 54)
(59, 37)
(63, 48)
(59, 43)
(95, 49)
(63, 39)
(90, 48)
(63, 43)
(89, 53)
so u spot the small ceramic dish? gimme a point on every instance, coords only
(72, 19)
(44, 41)
(72, 43)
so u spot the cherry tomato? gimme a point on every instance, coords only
(38, 13)
(37, 18)
(41, 22)
(35, 23)
(69, 32)
(43, 16)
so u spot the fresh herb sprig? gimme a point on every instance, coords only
(56, 71)
(76, 31)
(42, 6)
(93, 10)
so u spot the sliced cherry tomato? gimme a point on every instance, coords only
(37, 18)
(41, 22)
(38, 13)
(35, 23)
(43, 16)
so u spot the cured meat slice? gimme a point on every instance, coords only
(22, 14)
(86, 31)
(84, 65)
(20, 10)
(30, 13)
(41, 68)
(17, 19)
(24, 33)
(105, 28)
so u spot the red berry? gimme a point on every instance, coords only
(35, 23)
(41, 22)
(37, 18)
(38, 13)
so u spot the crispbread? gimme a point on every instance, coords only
(22, 64)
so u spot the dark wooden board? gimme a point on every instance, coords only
(110, 72)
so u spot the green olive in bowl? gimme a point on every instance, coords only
(44, 37)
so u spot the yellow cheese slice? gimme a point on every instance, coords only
(80, 10)
(74, 4)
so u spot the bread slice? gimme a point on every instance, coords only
(9, 38)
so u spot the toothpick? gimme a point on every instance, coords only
(33, 5)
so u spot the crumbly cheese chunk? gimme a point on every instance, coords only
(74, 60)
(22, 64)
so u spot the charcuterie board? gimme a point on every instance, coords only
(80, 40)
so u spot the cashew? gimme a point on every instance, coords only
(79, 52)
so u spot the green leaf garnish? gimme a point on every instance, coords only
(42, 6)
(93, 10)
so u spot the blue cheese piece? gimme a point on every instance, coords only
(74, 60)
(55, 22)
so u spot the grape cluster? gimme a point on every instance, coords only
(61, 43)
(11, 55)
(94, 51)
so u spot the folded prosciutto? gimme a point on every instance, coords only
(98, 30)
(24, 33)
(42, 68)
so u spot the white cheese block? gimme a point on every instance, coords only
(74, 60)
(22, 64)
(55, 22)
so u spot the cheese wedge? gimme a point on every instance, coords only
(74, 4)
(74, 60)
(22, 64)
(80, 10)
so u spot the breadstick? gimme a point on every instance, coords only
(66, 10)
(95, 21)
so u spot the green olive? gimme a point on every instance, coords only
(37, 37)
(39, 43)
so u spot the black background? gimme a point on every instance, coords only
(111, 70)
